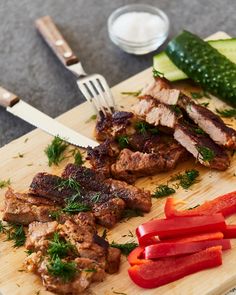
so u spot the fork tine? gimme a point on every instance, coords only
(102, 95)
(95, 96)
(107, 90)
(88, 96)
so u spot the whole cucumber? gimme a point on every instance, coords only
(204, 65)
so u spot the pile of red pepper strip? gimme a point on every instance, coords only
(185, 242)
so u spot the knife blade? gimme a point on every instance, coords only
(28, 113)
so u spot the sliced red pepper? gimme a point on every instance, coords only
(157, 273)
(137, 256)
(198, 237)
(225, 204)
(230, 231)
(176, 249)
(175, 227)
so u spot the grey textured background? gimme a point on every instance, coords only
(28, 67)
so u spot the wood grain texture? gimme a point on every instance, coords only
(7, 99)
(21, 170)
(55, 40)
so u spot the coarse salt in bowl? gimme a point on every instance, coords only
(138, 28)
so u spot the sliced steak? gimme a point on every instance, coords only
(133, 197)
(212, 124)
(186, 135)
(25, 208)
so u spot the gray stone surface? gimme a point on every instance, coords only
(28, 67)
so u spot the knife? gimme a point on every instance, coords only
(28, 113)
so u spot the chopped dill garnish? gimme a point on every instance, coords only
(125, 248)
(55, 150)
(55, 215)
(204, 104)
(90, 270)
(96, 197)
(78, 158)
(123, 141)
(176, 109)
(132, 93)
(193, 207)
(16, 233)
(199, 130)
(163, 190)
(64, 270)
(186, 179)
(227, 113)
(156, 73)
(143, 127)
(92, 118)
(4, 183)
(129, 213)
(69, 183)
(73, 207)
(58, 247)
(29, 252)
(205, 153)
(196, 95)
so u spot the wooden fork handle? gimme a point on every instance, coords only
(7, 99)
(55, 40)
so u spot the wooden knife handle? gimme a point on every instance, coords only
(7, 99)
(55, 40)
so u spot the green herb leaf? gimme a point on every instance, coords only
(119, 293)
(63, 270)
(73, 207)
(124, 248)
(129, 213)
(55, 151)
(4, 183)
(196, 95)
(55, 215)
(186, 179)
(96, 197)
(123, 141)
(69, 183)
(227, 113)
(92, 118)
(204, 104)
(163, 190)
(90, 270)
(176, 109)
(206, 154)
(78, 158)
(131, 93)
(16, 233)
(58, 247)
(156, 73)
(29, 252)
(199, 130)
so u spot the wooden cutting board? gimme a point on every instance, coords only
(24, 157)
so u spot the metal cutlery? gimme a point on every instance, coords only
(19, 108)
(94, 87)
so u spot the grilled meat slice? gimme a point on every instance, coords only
(201, 147)
(25, 208)
(109, 126)
(211, 123)
(133, 197)
(131, 165)
(91, 255)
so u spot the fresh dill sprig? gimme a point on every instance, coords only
(29, 252)
(204, 104)
(143, 127)
(163, 190)
(66, 271)
(92, 118)
(176, 109)
(73, 207)
(69, 183)
(227, 113)
(156, 73)
(58, 247)
(55, 150)
(123, 141)
(125, 248)
(206, 153)
(96, 197)
(129, 213)
(131, 93)
(78, 158)
(186, 179)
(16, 233)
(4, 183)
(55, 215)
(199, 130)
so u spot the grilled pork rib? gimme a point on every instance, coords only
(211, 123)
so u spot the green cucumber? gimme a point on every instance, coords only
(204, 65)
(163, 64)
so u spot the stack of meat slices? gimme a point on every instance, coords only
(50, 196)
(184, 128)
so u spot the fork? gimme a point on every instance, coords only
(94, 87)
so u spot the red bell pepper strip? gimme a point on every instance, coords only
(157, 273)
(176, 249)
(195, 238)
(175, 227)
(230, 231)
(137, 256)
(225, 204)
